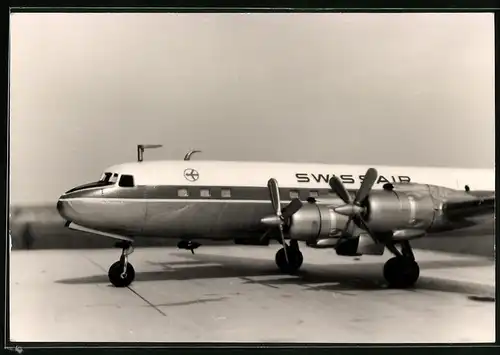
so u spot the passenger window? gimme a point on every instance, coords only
(294, 194)
(126, 181)
(313, 194)
(182, 193)
(226, 193)
(205, 193)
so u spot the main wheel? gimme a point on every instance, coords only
(295, 259)
(115, 274)
(401, 272)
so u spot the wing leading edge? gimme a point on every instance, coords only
(462, 209)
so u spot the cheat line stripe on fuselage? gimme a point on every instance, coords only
(210, 192)
(196, 192)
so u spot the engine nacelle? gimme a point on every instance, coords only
(412, 207)
(314, 221)
(408, 210)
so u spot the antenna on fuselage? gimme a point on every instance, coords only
(191, 152)
(142, 147)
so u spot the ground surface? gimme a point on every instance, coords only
(234, 293)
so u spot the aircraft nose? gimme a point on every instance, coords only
(62, 208)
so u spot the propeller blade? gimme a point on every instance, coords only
(274, 193)
(367, 184)
(264, 236)
(283, 241)
(281, 215)
(363, 225)
(292, 208)
(346, 228)
(339, 189)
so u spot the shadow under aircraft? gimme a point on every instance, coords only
(331, 277)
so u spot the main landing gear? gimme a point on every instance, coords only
(122, 273)
(401, 271)
(295, 258)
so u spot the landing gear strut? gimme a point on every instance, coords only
(401, 271)
(295, 258)
(122, 273)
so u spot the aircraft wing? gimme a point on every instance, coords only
(474, 207)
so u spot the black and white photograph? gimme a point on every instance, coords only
(252, 177)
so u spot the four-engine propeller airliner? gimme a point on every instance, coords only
(349, 208)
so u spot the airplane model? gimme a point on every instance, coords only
(345, 207)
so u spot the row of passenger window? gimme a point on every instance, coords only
(226, 193)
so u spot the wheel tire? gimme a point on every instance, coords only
(295, 258)
(115, 272)
(401, 272)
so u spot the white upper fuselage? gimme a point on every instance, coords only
(295, 175)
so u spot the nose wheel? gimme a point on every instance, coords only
(122, 273)
(295, 258)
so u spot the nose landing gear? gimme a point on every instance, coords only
(122, 273)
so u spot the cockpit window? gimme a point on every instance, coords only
(105, 177)
(126, 181)
(114, 178)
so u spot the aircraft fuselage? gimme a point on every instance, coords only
(221, 208)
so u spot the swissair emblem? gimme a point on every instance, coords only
(191, 175)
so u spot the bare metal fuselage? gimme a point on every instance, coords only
(173, 218)
(147, 211)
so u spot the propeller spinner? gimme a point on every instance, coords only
(281, 216)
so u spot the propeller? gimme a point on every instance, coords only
(354, 209)
(281, 215)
